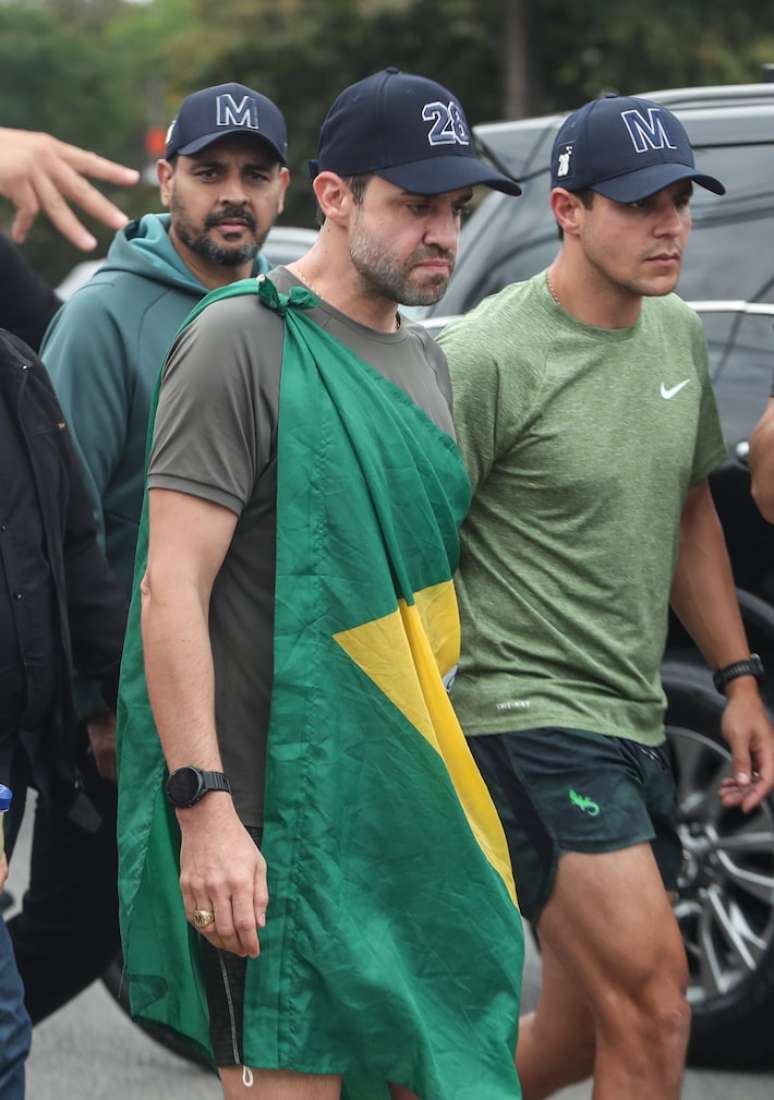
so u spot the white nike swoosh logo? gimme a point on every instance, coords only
(669, 394)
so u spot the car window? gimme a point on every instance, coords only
(741, 352)
(726, 256)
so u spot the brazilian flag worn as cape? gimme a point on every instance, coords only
(393, 945)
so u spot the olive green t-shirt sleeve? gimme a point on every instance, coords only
(215, 430)
(710, 450)
(492, 395)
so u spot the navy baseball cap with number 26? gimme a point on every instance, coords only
(625, 148)
(407, 129)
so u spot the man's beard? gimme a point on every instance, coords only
(203, 245)
(380, 274)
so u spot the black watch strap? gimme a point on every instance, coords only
(750, 666)
(215, 781)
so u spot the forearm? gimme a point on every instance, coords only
(179, 672)
(703, 591)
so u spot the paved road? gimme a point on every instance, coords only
(90, 1051)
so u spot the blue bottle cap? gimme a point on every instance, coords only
(5, 798)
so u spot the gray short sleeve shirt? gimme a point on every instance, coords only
(215, 438)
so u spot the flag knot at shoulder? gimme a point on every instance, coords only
(268, 295)
(297, 298)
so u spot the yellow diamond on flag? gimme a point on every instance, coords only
(403, 654)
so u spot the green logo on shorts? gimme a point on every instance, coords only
(586, 805)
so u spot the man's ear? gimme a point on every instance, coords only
(568, 211)
(333, 197)
(164, 173)
(284, 181)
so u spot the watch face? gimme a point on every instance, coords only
(183, 786)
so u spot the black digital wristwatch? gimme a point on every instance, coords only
(186, 786)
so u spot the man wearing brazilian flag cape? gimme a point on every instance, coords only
(315, 887)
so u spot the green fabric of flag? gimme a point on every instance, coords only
(393, 946)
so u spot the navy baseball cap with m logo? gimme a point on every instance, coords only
(626, 149)
(212, 113)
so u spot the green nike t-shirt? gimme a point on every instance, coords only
(581, 444)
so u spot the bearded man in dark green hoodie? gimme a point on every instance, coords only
(223, 179)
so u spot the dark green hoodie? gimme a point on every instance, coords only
(104, 350)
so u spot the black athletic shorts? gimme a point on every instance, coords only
(567, 790)
(224, 983)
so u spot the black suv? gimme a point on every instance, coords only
(726, 902)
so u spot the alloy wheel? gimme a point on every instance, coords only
(725, 904)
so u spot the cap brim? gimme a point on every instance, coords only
(208, 139)
(646, 181)
(436, 175)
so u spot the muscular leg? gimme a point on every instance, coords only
(279, 1084)
(610, 927)
(556, 1041)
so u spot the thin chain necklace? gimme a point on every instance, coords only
(551, 290)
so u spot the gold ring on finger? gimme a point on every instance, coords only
(202, 918)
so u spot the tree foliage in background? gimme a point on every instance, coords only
(99, 72)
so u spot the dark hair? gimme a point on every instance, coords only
(357, 185)
(586, 197)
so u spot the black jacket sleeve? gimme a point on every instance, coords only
(96, 606)
(96, 603)
(27, 304)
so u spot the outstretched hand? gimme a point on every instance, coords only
(39, 172)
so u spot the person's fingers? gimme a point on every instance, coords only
(764, 762)
(223, 928)
(186, 893)
(101, 731)
(78, 190)
(106, 764)
(202, 901)
(762, 774)
(27, 208)
(741, 763)
(91, 164)
(60, 214)
(244, 924)
(260, 893)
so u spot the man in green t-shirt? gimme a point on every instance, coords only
(587, 421)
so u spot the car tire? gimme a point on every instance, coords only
(725, 906)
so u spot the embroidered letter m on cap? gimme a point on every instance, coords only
(231, 113)
(647, 133)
